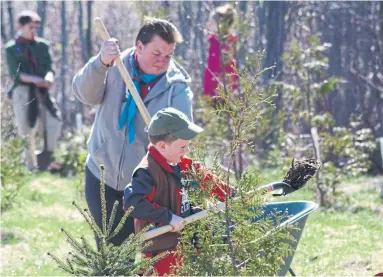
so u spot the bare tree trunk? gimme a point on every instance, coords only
(244, 44)
(380, 63)
(41, 10)
(11, 19)
(89, 29)
(85, 58)
(84, 53)
(197, 36)
(332, 32)
(243, 7)
(165, 5)
(184, 12)
(316, 145)
(4, 36)
(276, 35)
(260, 22)
(64, 39)
(201, 37)
(381, 27)
(315, 139)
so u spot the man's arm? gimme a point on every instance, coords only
(27, 78)
(13, 66)
(16, 74)
(139, 194)
(89, 83)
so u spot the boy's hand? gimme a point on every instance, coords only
(177, 223)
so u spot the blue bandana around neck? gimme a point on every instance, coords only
(130, 108)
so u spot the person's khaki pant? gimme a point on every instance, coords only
(20, 99)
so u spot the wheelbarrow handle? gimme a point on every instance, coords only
(214, 208)
(286, 188)
(103, 32)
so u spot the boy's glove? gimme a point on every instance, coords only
(177, 223)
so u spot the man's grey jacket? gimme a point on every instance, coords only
(96, 84)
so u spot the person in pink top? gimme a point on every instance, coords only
(224, 16)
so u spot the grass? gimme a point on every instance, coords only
(32, 227)
(344, 240)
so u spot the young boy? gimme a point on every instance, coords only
(157, 188)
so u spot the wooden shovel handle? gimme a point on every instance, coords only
(103, 32)
(187, 220)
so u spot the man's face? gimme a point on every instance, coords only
(28, 30)
(174, 151)
(154, 57)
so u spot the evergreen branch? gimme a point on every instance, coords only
(102, 251)
(82, 272)
(121, 224)
(103, 200)
(73, 242)
(92, 223)
(89, 251)
(70, 265)
(147, 244)
(117, 255)
(61, 264)
(127, 248)
(78, 260)
(89, 219)
(132, 243)
(112, 217)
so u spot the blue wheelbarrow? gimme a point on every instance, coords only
(297, 213)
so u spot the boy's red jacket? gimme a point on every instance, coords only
(156, 193)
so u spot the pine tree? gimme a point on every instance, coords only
(229, 242)
(238, 240)
(107, 259)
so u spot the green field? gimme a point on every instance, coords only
(344, 240)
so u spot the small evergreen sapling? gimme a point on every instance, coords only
(107, 259)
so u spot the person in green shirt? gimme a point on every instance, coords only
(30, 67)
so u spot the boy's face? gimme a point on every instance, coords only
(174, 151)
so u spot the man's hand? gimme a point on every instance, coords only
(40, 82)
(49, 77)
(109, 51)
(177, 223)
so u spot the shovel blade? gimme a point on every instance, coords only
(44, 159)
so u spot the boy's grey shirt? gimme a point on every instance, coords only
(96, 84)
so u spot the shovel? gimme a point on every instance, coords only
(103, 32)
(44, 158)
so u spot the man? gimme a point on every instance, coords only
(118, 139)
(30, 65)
